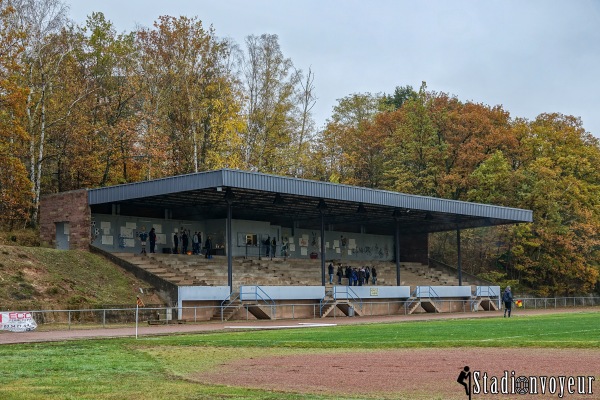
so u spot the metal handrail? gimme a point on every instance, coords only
(115, 316)
(323, 303)
(223, 305)
(271, 303)
(415, 299)
(483, 291)
(349, 293)
(430, 291)
(486, 291)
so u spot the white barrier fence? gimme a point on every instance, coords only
(116, 317)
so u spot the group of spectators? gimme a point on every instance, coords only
(183, 237)
(355, 276)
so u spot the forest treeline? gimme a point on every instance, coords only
(86, 106)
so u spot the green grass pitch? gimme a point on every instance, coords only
(158, 367)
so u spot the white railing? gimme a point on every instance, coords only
(117, 317)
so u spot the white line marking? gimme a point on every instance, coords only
(300, 325)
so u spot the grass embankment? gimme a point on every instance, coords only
(164, 367)
(34, 278)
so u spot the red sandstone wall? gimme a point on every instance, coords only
(71, 207)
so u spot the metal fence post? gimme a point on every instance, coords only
(104, 318)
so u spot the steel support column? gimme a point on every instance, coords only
(229, 249)
(322, 249)
(397, 251)
(459, 257)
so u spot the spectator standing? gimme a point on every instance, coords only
(374, 275)
(175, 243)
(340, 274)
(267, 244)
(330, 272)
(195, 243)
(143, 238)
(367, 275)
(208, 246)
(152, 237)
(184, 242)
(273, 247)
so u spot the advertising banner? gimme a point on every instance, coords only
(17, 321)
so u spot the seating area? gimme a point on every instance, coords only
(186, 270)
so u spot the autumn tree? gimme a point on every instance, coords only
(42, 20)
(191, 94)
(304, 133)
(110, 124)
(558, 254)
(348, 150)
(270, 82)
(414, 152)
(395, 100)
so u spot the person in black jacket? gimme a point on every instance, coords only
(184, 242)
(175, 243)
(152, 237)
(208, 246)
(507, 298)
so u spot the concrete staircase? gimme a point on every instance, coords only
(260, 311)
(483, 302)
(427, 304)
(184, 270)
(346, 306)
(226, 312)
(159, 269)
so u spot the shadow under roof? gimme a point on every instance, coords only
(295, 202)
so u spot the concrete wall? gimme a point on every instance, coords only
(300, 243)
(389, 300)
(372, 292)
(444, 291)
(282, 292)
(119, 233)
(216, 293)
(70, 210)
(204, 312)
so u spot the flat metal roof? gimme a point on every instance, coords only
(257, 196)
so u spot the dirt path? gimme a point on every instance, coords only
(145, 330)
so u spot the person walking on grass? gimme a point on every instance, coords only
(507, 298)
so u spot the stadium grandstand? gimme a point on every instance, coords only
(249, 243)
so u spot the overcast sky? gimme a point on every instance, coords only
(530, 56)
